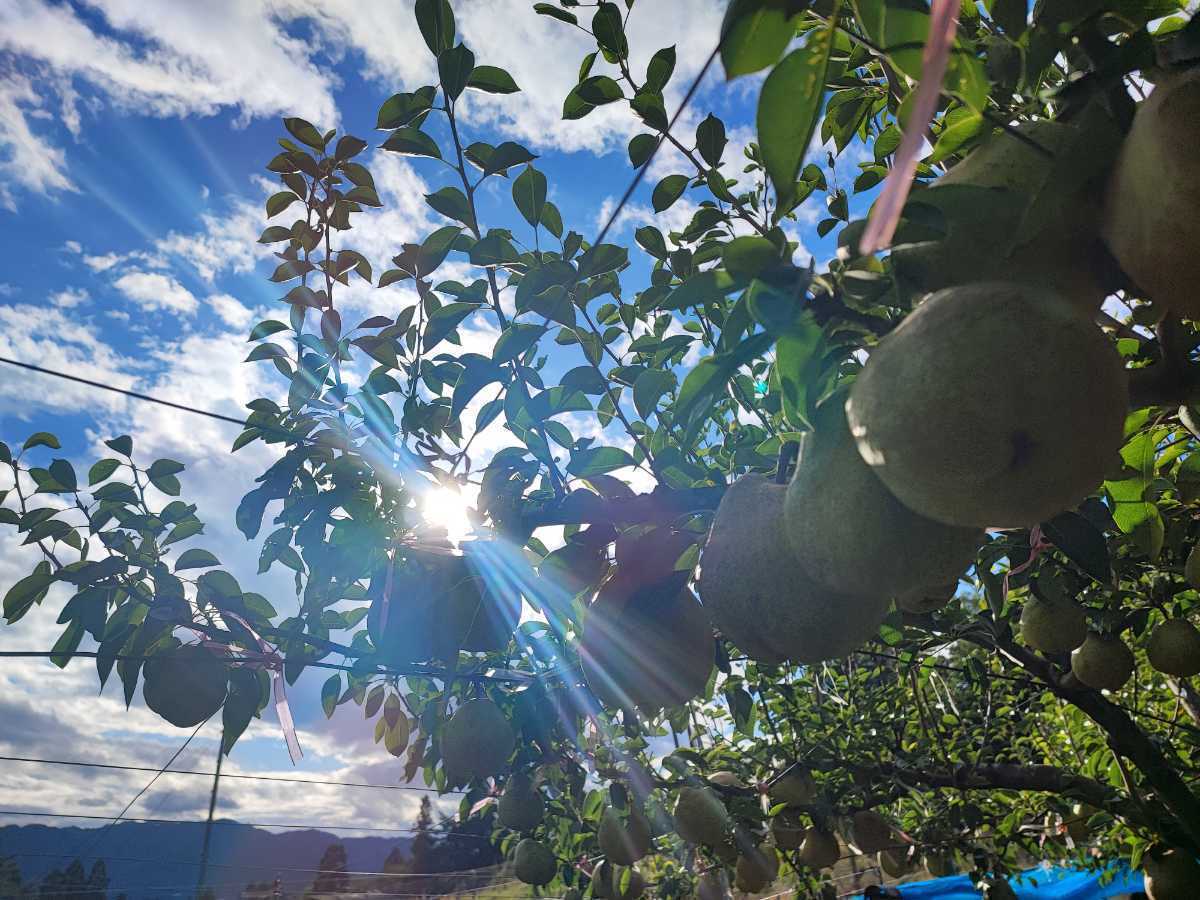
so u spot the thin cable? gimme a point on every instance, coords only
(125, 768)
(314, 827)
(458, 873)
(149, 784)
(641, 172)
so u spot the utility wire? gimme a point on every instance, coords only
(48, 815)
(125, 768)
(459, 873)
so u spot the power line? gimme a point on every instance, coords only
(459, 873)
(313, 827)
(283, 778)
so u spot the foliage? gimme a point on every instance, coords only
(973, 743)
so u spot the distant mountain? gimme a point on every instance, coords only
(148, 860)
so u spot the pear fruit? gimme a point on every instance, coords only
(1191, 568)
(647, 650)
(1150, 207)
(872, 832)
(185, 685)
(796, 788)
(470, 614)
(957, 413)
(984, 199)
(940, 863)
(726, 779)
(756, 868)
(1171, 875)
(403, 620)
(534, 863)
(1102, 662)
(521, 807)
(928, 599)
(477, 741)
(711, 886)
(1174, 648)
(851, 533)
(700, 816)
(624, 843)
(895, 862)
(1053, 626)
(788, 831)
(606, 883)
(820, 849)
(761, 598)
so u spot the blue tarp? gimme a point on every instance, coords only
(1053, 883)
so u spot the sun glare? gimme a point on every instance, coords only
(447, 508)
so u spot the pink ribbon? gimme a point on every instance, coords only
(881, 227)
(1037, 546)
(270, 660)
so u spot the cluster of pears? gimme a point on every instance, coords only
(647, 642)
(438, 603)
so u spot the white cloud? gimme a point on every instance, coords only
(73, 247)
(27, 158)
(231, 310)
(227, 241)
(101, 263)
(153, 290)
(69, 298)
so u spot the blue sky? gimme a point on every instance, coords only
(132, 140)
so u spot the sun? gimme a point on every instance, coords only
(446, 507)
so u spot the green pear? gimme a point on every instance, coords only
(1053, 626)
(1191, 568)
(606, 883)
(521, 807)
(756, 868)
(185, 685)
(534, 863)
(851, 533)
(700, 816)
(1171, 875)
(624, 843)
(796, 788)
(477, 741)
(647, 650)
(760, 597)
(1102, 662)
(940, 863)
(1150, 221)
(820, 849)
(711, 886)
(983, 202)
(991, 405)
(895, 862)
(1174, 648)
(872, 832)
(788, 830)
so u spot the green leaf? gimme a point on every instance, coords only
(195, 558)
(549, 9)
(102, 470)
(598, 90)
(649, 107)
(493, 80)
(652, 241)
(798, 356)
(1132, 511)
(574, 106)
(660, 69)
(412, 142)
(25, 593)
(667, 191)
(305, 132)
(641, 146)
(330, 691)
(494, 249)
(529, 194)
(348, 147)
(444, 321)
(610, 30)
(64, 473)
(710, 139)
(754, 34)
(67, 644)
(789, 106)
(266, 328)
(516, 339)
(405, 109)
(602, 258)
(649, 388)
(435, 18)
(451, 203)
(122, 444)
(959, 126)
(505, 156)
(598, 460)
(42, 439)
(454, 69)
(552, 219)
(749, 255)
(707, 381)
(277, 203)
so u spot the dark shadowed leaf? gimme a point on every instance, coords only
(436, 21)
(305, 132)
(755, 33)
(529, 194)
(710, 139)
(454, 69)
(598, 460)
(412, 142)
(493, 80)
(667, 191)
